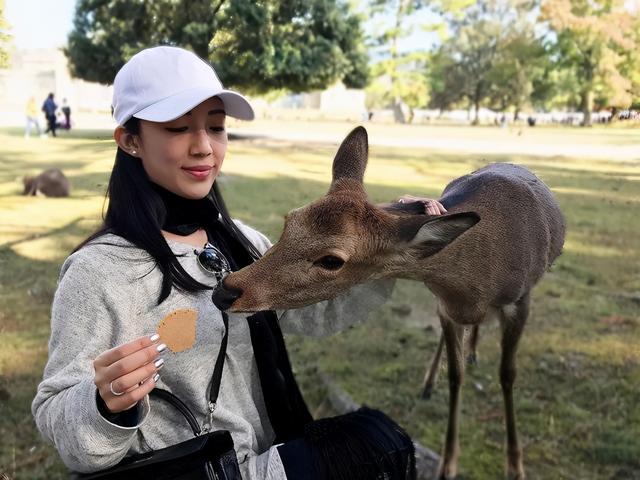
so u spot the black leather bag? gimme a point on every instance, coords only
(208, 456)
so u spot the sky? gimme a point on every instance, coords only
(39, 23)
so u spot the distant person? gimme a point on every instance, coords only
(31, 112)
(49, 108)
(66, 111)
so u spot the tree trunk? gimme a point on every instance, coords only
(398, 114)
(586, 96)
(476, 104)
(587, 106)
(477, 98)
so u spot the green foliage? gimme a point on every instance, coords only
(299, 45)
(5, 38)
(257, 46)
(521, 63)
(598, 40)
(492, 57)
(411, 85)
(401, 72)
(447, 83)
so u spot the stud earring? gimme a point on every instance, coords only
(133, 152)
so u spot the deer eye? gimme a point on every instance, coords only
(329, 262)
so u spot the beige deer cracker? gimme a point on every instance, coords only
(178, 329)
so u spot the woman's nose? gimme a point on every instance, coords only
(200, 146)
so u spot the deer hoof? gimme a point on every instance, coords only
(426, 393)
(447, 473)
(515, 475)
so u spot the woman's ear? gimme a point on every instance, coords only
(126, 141)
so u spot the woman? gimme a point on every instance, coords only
(143, 272)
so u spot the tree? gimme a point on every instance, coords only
(256, 46)
(596, 38)
(519, 68)
(294, 44)
(397, 69)
(447, 83)
(5, 38)
(491, 57)
(410, 90)
(472, 50)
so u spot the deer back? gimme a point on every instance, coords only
(53, 183)
(520, 232)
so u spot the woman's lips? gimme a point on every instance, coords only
(199, 172)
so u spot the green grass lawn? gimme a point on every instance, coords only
(578, 388)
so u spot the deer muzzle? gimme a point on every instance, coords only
(224, 297)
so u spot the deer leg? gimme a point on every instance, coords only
(453, 338)
(432, 372)
(472, 357)
(512, 321)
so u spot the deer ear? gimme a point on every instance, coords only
(351, 160)
(440, 231)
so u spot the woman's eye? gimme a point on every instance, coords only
(217, 129)
(177, 129)
(329, 262)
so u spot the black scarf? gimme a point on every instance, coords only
(183, 215)
(285, 405)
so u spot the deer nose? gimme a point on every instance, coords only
(224, 297)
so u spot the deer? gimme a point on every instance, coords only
(50, 183)
(502, 231)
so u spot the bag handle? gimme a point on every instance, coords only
(216, 380)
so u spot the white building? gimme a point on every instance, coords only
(37, 72)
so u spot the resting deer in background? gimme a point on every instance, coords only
(502, 231)
(50, 183)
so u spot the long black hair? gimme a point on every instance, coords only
(137, 212)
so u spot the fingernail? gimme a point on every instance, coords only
(155, 378)
(154, 337)
(158, 363)
(161, 347)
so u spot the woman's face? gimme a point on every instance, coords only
(185, 155)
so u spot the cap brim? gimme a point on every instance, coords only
(170, 108)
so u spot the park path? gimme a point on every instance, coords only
(618, 145)
(487, 140)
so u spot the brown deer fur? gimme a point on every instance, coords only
(51, 183)
(502, 231)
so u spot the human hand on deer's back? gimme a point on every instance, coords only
(431, 206)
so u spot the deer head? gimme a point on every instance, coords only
(339, 241)
(27, 181)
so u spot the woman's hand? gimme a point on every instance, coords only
(432, 207)
(125, 374)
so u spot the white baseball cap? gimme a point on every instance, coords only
(161, 84)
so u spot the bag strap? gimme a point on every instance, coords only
(216, 380)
